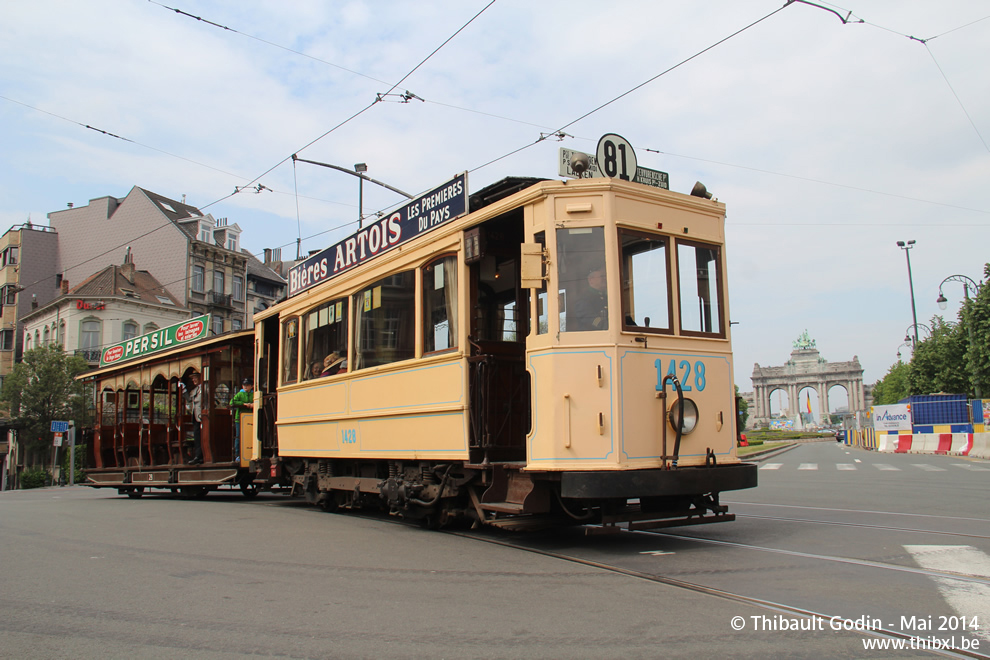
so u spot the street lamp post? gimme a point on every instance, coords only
(942, 301)
(914, 313)
(360, 168)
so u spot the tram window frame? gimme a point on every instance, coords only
(374, 336)
(330, 314)
(290, 351)
(627, 283)
(719, 290)
(542, 297)
(450, 298)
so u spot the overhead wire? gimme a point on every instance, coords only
(633, 89)
(924, 42)
(109, 134)
(369, 106)
(819, 181)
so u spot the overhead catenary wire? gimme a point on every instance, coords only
(633, 89)
(369, 106)
(109, 134)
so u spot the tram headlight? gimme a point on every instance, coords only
(690, 416)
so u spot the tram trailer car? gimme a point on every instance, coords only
(551, 350)
(143, 435)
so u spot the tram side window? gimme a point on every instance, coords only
(542, 311)
(385, 321)
(700, 288)
(581, 279)
(645, 285)
(440, 305)
(290, 351)
(325, 334)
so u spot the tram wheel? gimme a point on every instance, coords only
(135, 493)
(249, 490)
(328, 502)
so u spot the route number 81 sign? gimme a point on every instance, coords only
(616, 157)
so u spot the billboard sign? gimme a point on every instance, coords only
(425, 213)
(896, 417)
(159, 340)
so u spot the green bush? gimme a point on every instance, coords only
(35, 478)
(80, 476)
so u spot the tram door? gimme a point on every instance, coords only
(499, 383)
(267, 385)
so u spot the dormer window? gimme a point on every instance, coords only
(232, 244)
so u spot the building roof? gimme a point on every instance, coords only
(260, 271)
(173, 210)
(113, 281)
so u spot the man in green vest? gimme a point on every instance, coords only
(243, 400)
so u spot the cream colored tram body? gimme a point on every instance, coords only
(561, 351)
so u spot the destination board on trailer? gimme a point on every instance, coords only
(425, 213)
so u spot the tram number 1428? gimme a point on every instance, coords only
(688, 373)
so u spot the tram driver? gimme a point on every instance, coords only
(589, 305)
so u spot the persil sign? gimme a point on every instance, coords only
(158, 340)
(892, 418)
(421, 215)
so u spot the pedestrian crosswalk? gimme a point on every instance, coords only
(883, 467)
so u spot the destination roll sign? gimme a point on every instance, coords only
(423, 214)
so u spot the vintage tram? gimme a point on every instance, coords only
(539, 350)
(543, 349)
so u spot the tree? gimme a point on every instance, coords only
(938, 363)
(743, 409)
(41, 389)
(975, 317)
(894, 386)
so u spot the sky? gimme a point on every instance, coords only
(828, 139)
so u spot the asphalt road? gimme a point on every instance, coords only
(87, 573)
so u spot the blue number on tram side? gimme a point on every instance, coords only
(698, 374)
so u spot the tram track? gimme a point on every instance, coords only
(830, 558)
(863, 525)
(772, 606)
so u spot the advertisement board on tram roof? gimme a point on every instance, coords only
(159, 340)
(425, 213)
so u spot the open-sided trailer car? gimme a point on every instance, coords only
(143, 426)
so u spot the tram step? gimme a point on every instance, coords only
(502, 507)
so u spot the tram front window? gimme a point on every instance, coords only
(645, 285)
(582, 279)
(700, 288)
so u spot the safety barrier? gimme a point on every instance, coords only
(976, 445)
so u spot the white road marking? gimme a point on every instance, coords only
(845, 466)
(928, 468)
(857, 460)
(808, 466)
(968, 599)
(971, 467)
(656, 553)
(771, 466)
(885, 467)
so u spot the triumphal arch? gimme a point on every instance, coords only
(806, 368)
